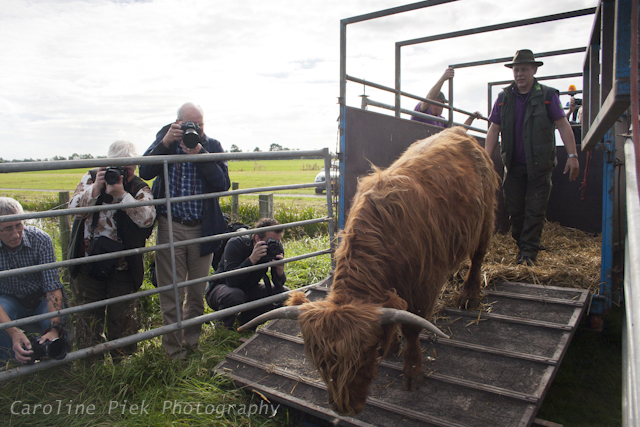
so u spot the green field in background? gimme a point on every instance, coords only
(246, 173)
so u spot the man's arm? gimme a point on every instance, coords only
(215, 173)
(158, 148)
(21, 344)
(566, 133)
(54, 303)
(572, 107)
(492, 138)
(235, 257)
(470, 119)
(435, 90)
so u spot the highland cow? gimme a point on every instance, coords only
(409, 228)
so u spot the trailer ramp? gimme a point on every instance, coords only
(494, 371)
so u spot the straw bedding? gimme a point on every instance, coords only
(571, 259)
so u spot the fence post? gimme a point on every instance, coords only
(65, 231)
(235, 205)
(266, 205)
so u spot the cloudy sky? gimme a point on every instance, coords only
(78, 75)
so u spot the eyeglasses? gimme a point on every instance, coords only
(12, 228)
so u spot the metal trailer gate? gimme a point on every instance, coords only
(495, 370)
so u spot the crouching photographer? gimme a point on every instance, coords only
(107, 232)
(245, 251)
(28, 294)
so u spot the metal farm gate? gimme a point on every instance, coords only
(180, 324)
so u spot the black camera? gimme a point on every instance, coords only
(56, 349)
(112, 174)
(274, 248)
(191, 136)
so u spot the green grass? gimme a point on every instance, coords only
(248, 174)
(150, 377)
(587, 390)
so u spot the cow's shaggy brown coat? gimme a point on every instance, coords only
(409, 227)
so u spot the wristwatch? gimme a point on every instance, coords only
(572, 155)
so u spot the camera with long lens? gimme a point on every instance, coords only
(191, 136)
(112, 174)
(274, 248)
(56, 349)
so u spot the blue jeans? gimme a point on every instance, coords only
(16, 311)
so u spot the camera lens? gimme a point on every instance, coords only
(112, 175)
(191, 138)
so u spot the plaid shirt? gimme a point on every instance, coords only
(184, 180)
(36, 248)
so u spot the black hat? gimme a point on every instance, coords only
(524, 56)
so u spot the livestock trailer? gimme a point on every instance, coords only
(499, 364)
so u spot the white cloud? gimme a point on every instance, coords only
(77, 75)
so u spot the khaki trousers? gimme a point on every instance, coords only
(189, 265)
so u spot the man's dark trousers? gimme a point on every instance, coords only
(224, 296)
(526, 203)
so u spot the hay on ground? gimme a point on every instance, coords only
(571, 259)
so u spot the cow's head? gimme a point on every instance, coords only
(343, 342)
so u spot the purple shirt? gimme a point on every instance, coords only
(429, 122)
(554, 112)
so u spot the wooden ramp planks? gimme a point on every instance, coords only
(495, 369)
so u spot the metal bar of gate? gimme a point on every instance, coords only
(99, 208)
(408, 95)
(105, 302)
(121, 342)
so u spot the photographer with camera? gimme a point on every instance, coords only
(190, 220)
(107, 232)
(28, 294)
(245, 251)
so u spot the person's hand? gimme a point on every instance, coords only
(194, 150)
(22, 347)
(49, 336)
(174, 133)
(572, 105)
(448, 74)
(279, 268)
(99, 183)
(573, 167)
(478, 115)
(117, 189)
(259, 251)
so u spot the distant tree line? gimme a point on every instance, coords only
(74, 156)
(274, 147)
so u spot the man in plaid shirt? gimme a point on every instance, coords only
(28, 294)
(190, 220)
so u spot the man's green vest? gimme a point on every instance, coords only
(538, 134)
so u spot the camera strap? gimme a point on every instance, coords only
(267, 284)
(102, 198)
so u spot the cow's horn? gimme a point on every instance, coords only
(391, 315)
(291, 313)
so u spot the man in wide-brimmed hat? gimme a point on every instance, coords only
(526, 115)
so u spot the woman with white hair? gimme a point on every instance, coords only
(106, 232)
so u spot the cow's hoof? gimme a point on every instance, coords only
(466, 303)
(412, 383)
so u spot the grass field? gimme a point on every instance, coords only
(247, 174)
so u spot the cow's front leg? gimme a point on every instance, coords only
(412, 371)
